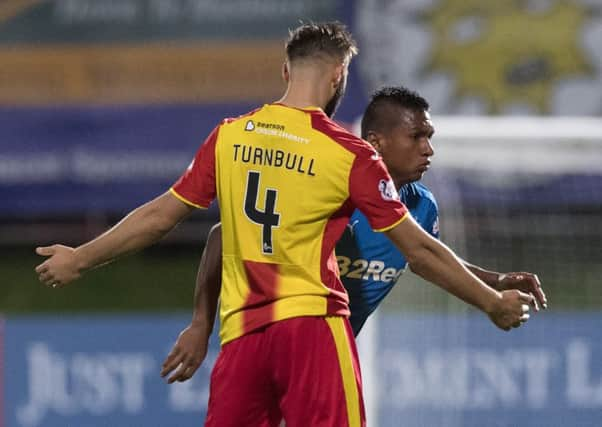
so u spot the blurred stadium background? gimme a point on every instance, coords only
(104, 102)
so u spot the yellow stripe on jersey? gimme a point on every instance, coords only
(348, 374)
(402, 219)
(183, 199)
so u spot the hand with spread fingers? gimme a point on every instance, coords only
(525, 282)
(187, 354)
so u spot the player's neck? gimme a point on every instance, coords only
(305, 94)
(399, 182)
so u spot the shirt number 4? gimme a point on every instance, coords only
(267, 217)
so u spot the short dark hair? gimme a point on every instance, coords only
(379, 112)
(315, 40)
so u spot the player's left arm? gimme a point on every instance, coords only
(523, 281)
(190, 349)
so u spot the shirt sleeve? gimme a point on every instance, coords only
(373, 192)
(433, 220)
(197, 186)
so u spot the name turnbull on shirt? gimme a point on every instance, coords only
(273, 157)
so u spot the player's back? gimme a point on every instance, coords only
(287, 180)
(281, 180)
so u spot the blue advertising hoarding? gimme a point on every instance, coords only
(437, 370)
(430, 370)
(98, 371)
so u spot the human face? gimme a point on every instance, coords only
(406, 149)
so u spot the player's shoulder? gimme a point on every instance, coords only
(422, 190)
(417, 190)
(320, 122)
(242, 117)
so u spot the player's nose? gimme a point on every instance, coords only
(428, 149)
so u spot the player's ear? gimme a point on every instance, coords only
(285, 72)
(338, 74)
(375, 139)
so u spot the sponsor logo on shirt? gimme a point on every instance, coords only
(364, 269)
(387, 190)
(273, 129)
(351, 226)
(270, 126)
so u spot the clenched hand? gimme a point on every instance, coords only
(512, 310)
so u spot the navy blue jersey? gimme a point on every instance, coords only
(369, 262)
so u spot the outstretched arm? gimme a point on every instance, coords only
(139, 229)
(436, 263)
(523, 281)
(190, 349)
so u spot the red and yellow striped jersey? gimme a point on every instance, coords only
(287, 181)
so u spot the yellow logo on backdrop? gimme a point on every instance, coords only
(508, 51)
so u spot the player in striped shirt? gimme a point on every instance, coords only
(288, 179)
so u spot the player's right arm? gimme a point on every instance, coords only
(373, 192)
(139, 229)
(190, 349)
(435, 262)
